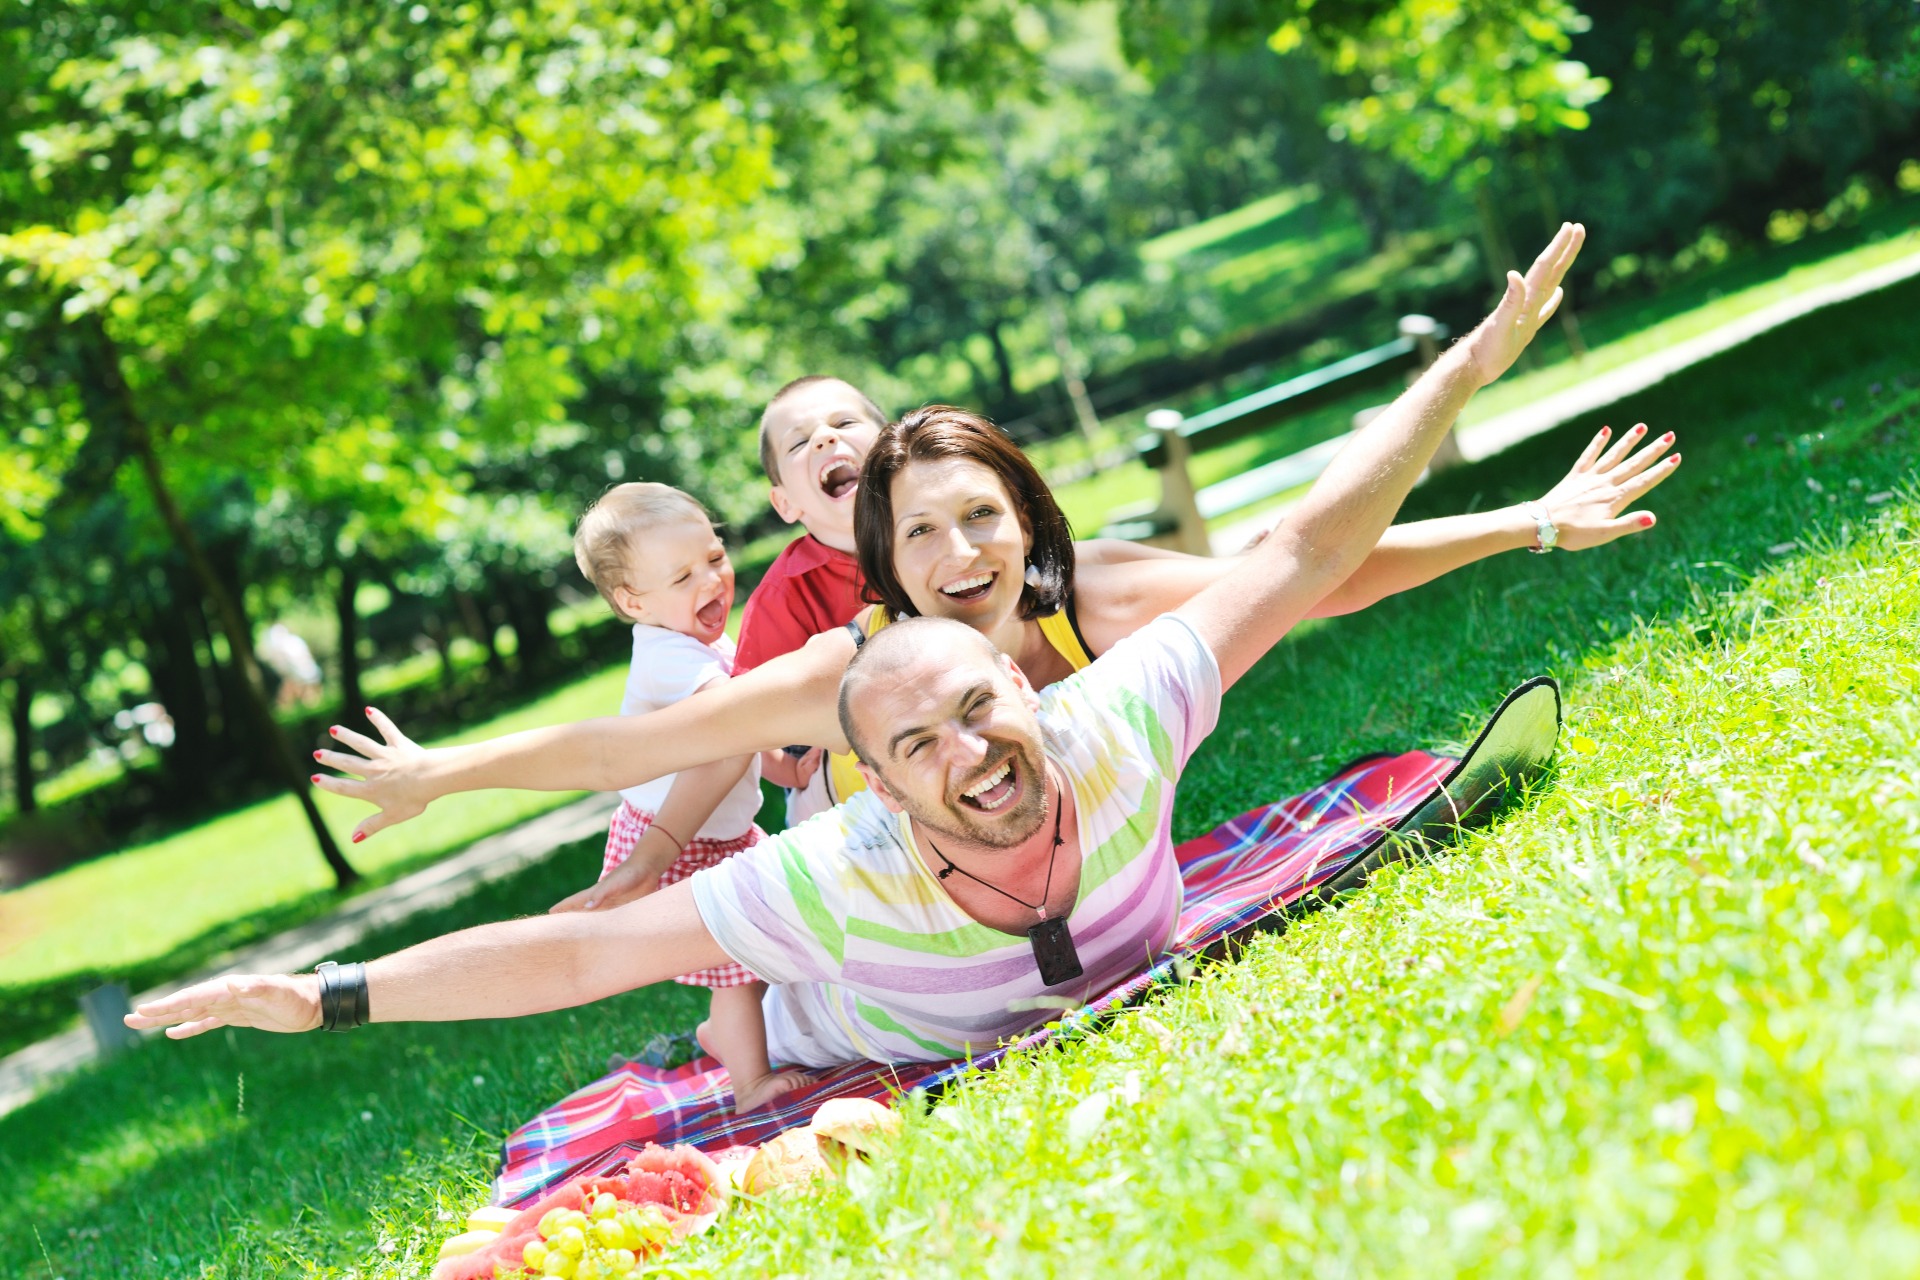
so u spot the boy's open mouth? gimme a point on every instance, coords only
(713, 614)
(839, 479)
(995, 790)
(967, 590)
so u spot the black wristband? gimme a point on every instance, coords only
(343, 996)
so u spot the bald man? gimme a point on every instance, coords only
(1013, 847)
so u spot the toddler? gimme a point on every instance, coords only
(652, 553)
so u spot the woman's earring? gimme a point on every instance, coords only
(1034, 579)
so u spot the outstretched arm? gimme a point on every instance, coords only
(1586, 507)
(793, 698)
(1113, 600)
(1333, 530)
(504, 970)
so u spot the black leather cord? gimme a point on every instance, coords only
(343, 996)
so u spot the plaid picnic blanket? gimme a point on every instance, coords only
(1237, 874)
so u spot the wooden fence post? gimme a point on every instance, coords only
(1178, 500)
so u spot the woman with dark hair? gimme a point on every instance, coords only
(953, 521)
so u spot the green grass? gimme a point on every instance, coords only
(1713, 1074)
(231, 880)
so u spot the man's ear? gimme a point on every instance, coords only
(783, 505)
(1028, 694)
(879, 788)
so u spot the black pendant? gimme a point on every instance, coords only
(1054, 952)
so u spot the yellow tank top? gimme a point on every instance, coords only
(843, 767)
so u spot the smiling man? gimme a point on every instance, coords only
(1012, 846)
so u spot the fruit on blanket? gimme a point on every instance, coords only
(597, 1227)
(467, 1242)
(491, 1218)
(790, 1160)
(846, 1125)
(733, 1164)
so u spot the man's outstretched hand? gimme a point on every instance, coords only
(1586, 506)
(1528, 303)
(270, 1002)
(387, 774)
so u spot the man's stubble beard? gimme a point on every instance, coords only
(1015, 826)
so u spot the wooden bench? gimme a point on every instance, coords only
(1180, 519)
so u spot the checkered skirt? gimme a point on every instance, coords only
(624, 832)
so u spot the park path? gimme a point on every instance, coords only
(1497, 434)
(26, 1072)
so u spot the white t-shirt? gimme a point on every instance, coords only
(667, 667)
(869, 956)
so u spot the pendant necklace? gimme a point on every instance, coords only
(1053, 948)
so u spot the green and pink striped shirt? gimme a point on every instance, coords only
(868, 956)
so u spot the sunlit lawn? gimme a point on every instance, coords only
(1659, 1021)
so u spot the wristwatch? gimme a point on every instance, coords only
(1546, 532)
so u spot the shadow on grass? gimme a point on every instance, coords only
(254, 1154)
(36, 1010)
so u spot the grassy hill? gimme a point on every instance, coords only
(1660, 1020)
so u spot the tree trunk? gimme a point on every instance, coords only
(350, 700)
(173, 662)
(106, 394)
(527, 607)
(1498, 251)
(481, 628)
(18, 708)
(1550, 214)
(1069, 356)
(1002, 365)
(436, 631)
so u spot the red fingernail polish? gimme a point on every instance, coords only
(1646, 522)
(316, 755)
(1666, 438)
(358, 836)
(367, 710)
(1674, 461)
(334, 730)
(316, 777)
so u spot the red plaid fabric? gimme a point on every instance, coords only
(624, 832)
(1238, 874)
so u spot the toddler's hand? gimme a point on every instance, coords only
(635, 878)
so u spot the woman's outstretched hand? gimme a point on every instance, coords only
(387, 774)
(1528, 303)
(1587, 505)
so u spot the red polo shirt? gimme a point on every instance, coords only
(809, 588)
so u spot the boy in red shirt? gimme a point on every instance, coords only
(814, 436)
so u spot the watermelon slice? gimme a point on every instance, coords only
(682, 1182)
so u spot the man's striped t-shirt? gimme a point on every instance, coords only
(868, 956)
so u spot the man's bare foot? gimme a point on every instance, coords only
(751, 1095)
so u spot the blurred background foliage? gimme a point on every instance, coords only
(337, 314)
